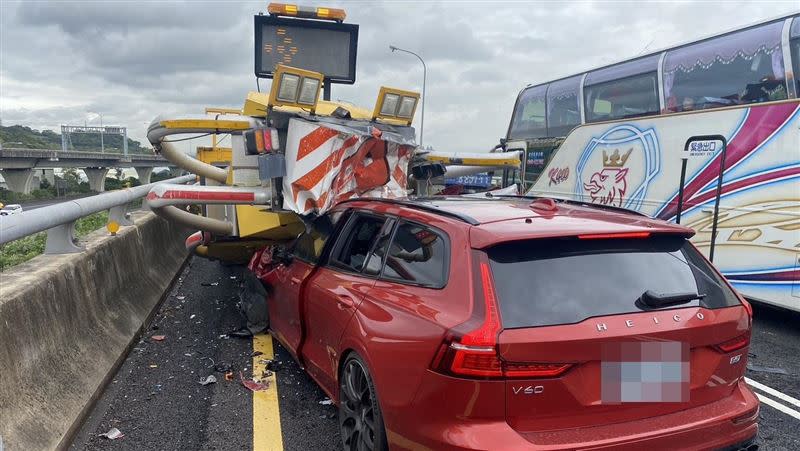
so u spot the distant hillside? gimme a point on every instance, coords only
(47, 139)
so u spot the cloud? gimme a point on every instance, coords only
(131, 61)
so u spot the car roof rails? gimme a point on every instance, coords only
(424, 204)
(570, 202)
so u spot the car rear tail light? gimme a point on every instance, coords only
(612, 236)
(470, 350)
(733, 344)
(747, 306)
(523, 369)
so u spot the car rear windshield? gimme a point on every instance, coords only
(563, 281)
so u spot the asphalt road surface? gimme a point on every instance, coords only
(156, 399)
(157, 402)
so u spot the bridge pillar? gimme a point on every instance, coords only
(49, 175)
(18, 180)
(144, 174)
(97, 178)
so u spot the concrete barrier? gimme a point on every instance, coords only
(66, 321)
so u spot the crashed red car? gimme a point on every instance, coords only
(465, 323)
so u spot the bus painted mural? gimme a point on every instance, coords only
(636, 164)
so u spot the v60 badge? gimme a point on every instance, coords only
(529, 390)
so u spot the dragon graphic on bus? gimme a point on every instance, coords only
(606, 176)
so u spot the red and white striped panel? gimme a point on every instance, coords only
(325, 166)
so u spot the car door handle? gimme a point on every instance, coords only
(344, 301)
(294, 280)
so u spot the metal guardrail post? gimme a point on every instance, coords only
(61, 240)
(59, 219)
(120, 215)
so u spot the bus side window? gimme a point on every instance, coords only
(563, 109)
(739, 68)
(624, 90)
(529, 115)
(620, 99)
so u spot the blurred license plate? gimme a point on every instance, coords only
(645, 372)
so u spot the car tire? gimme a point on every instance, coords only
(360, 418)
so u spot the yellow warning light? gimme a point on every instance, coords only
(113, 227)
(396, 104)
(295, 87)
(306, 12)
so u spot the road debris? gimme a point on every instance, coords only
(112, 434)
(256, 353)
(229, 376)
(223, 367)
(210, 379)
(180, 298)
(158, 337)
(252, 384)
(326, 402)
(209, 284)
(241, 333)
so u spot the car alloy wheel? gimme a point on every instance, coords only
(360, 420)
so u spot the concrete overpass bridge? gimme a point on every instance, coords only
(18, 165)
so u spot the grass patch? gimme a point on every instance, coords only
(24, 249)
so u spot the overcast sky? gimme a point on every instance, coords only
(131, 60)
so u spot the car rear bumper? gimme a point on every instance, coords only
(728, 422)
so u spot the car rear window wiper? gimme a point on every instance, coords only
(652, 299)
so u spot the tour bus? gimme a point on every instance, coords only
(625, 135)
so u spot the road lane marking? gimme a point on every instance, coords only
(775, 404)
(773, 392)
(266, 414)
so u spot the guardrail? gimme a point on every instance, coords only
(59, 219)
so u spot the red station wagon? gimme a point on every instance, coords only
(511, 323)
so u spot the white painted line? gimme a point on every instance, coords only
(773, 392)
(775, 404)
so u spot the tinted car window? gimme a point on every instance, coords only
(548, 282)
(358, 241)
(416, 255)
(378, 255)
(309, 245)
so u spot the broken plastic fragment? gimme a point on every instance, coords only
(158, 337)
(251, 384)
(112, 434)
(210, 379)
